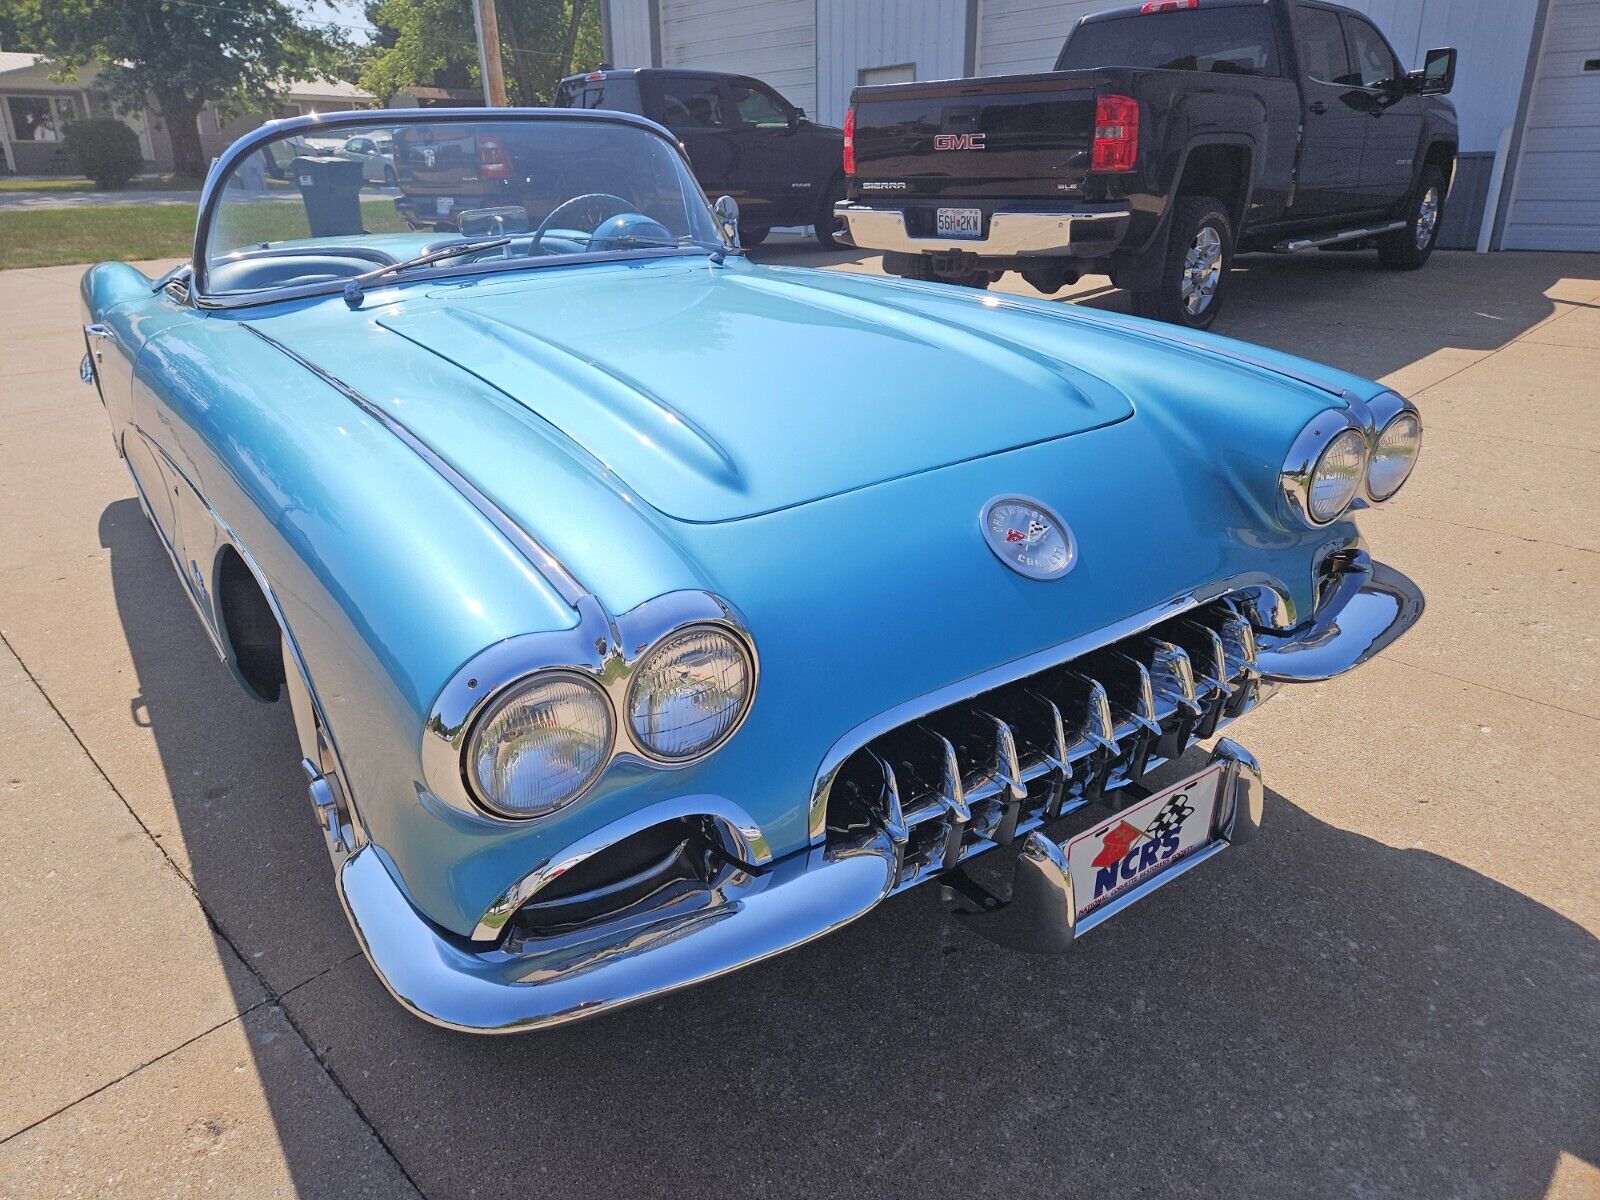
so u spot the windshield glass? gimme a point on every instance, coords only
(1233, 41)
(322, 205)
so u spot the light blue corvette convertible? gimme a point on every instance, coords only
(645, 612)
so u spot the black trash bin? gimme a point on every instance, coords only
(331, 189)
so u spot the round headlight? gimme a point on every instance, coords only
(690, 692)
(1394, 456)
(1337, 476)
(540, 745)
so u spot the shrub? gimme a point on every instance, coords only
(106, 150)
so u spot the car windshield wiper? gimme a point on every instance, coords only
(355, 290)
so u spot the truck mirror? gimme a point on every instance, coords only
(1438, 74)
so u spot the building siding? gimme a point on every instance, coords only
(631, 34)
(773, 40)
(857, 35)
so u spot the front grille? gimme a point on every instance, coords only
(989, 769)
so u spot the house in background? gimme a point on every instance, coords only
(35, 109)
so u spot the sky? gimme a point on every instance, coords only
(339, 12)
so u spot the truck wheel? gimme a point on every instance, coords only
(753, 237)
(1407, 249)
(829, 226)
(1199, 253)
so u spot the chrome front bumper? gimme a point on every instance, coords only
(747, 915)
(1011, 234)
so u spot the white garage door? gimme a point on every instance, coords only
(1015, 36)
(1556, 201)
(773, 40)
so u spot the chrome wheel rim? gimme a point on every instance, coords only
(1202, 271)
(1427, 217)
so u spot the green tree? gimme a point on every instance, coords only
(431, 43)
(237, 53)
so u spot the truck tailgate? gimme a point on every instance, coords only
(1011, 136)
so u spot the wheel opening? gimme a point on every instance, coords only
(254, 639)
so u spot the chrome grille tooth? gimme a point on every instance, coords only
(953, 796)
(1239, 640)
(1143, 710)
(1009, 771)
(891, 816)
(1062, 778)
(1172, 675)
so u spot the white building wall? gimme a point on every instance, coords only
(629, 27)
(857, 35)
(774, 40)
(1555, 204)
(1492, 35)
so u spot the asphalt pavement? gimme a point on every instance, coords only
(1393, 993)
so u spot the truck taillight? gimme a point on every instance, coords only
(850, 141)
(492, 160)
(1116, 133)
(1169, 5)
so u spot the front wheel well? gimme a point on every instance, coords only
(250, 628)
(1219, 170)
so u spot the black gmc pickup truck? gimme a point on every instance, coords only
(1169, 135)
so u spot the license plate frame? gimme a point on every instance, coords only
(1118, 858)
(963, 223)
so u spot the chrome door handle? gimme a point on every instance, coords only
(1318, 107)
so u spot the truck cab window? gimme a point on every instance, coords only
(692, 104)
(759, 108)
(1320, 40)
(1372, 63)
(1233, 41)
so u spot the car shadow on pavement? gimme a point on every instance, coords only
(1315, 1014)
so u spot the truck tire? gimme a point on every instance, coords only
(827, 225)
(752, 237)
(1407, 249)
(1198, 254)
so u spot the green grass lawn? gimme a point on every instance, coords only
(77, 183)
(51, 236)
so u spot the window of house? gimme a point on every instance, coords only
(40, 118)
(903, 73)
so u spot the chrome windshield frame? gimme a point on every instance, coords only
(214, 189)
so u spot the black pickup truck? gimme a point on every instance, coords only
(743, 139)
(1169, 135)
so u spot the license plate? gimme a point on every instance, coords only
(442, 206)
(959, 222)
(1144, 840)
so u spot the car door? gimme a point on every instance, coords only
(1395, 125)
(696, 108)
(772, 167)
(1327, 180)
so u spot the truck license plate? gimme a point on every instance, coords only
(959, 222)
(1143, 841)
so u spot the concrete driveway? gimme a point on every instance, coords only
(1394, 993)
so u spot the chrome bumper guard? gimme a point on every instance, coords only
(1011, 234)
(744, 914)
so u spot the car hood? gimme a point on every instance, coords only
(719, 393)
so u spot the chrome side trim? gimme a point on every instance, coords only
(1010, 233)
(542, 560)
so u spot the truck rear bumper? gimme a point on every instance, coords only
(1080, 233)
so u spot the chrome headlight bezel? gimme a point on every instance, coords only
(1407, 413)
(638, 671)
(1306, 455)
(602, 651)
(1369, 418)
(519, 692)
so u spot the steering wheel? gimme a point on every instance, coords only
(613, 206)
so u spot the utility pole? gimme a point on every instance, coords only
(494, 79)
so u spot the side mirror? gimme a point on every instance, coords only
(1438, 74)
(797, 118)
(727, 210)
